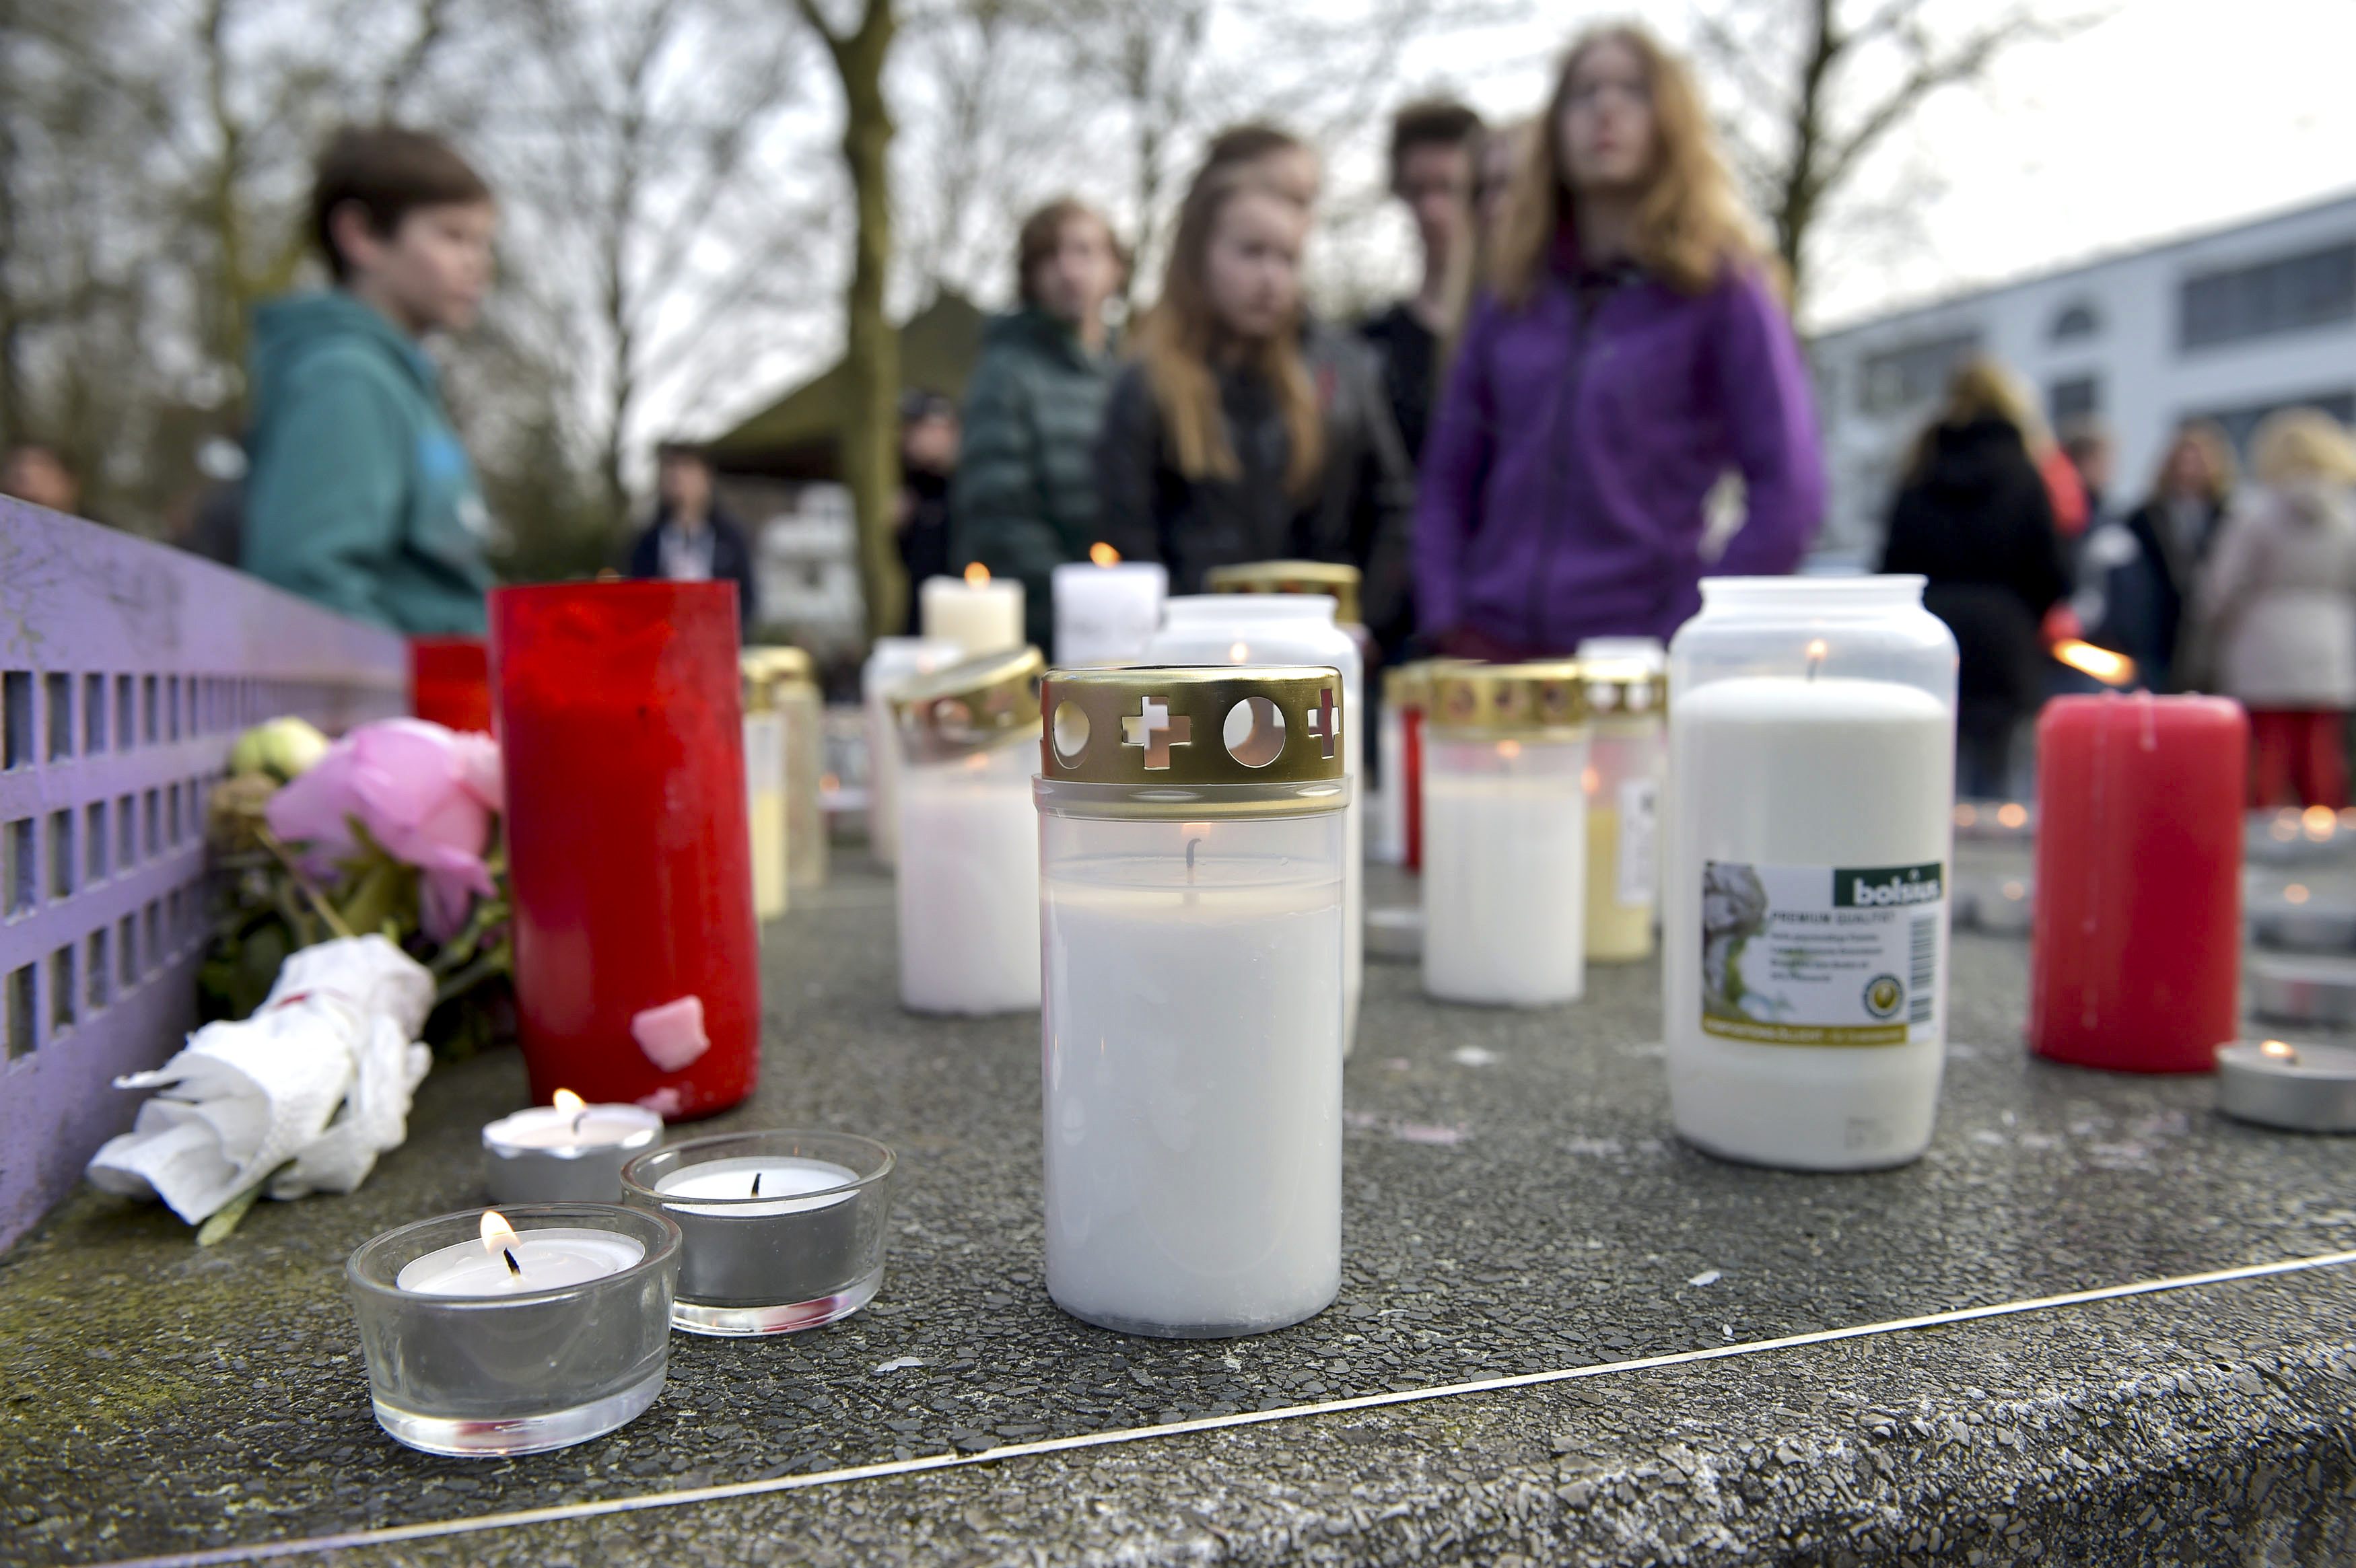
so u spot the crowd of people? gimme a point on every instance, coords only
(1519, 456)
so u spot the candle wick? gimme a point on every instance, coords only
(515, 1269)
(1191, 844)
(577, 1121)
(756, 1184)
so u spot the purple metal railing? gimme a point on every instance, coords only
(126, 671)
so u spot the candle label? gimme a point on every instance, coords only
(1821, 955)
(1640, 811)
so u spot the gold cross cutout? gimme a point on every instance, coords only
(1321, 721)
(1156, 731)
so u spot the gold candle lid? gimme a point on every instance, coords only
(1326, 577)
(1196, 741)
(766, 668)
(1409, 685)
(1625, 688)
(970, 707)
(1537, 700)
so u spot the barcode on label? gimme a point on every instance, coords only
(1924, 968)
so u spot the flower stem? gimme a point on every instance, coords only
(311, 894)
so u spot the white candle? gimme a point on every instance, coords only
(969, 888)
(576, 1131)
(893, 662)
(1504, 871)
(981, 614)
(758, 1185)
(543, 1260)
(1194, 1061)
(1106, 611)
(565, 1152)
(1776, 783)
(765, 809)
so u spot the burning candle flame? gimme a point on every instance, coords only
(1966, 816)
(2110, 668)
(498, 1236)
(1817, 649)
(2015, 892)
(1104, 554)
(2296, 893)
(976, 575)
(566, 1100)
(1509, 750)
(1238, 653)
(2318, 821)
(2012, 814)
(2278, 1051)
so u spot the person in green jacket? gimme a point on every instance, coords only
(360, 496)
(1025, 500)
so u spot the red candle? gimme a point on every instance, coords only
(2136, 959)
(636, 959)
(449, 682)
(1411, 765)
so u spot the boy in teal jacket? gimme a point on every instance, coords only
(360, 496)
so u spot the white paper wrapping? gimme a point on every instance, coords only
(320, 1076)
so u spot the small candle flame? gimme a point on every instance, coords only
(2015, 892)
(1589, 781)
(497, 1234)
(2296, 893)
(1966, 816)
(976, 575)
(1817, 649)
(2318, 821)
(1239, 653)
(2110, 668)
(1104, 554)
(566, 1100)
(1509, 750)
(2012, 814)
(2278, 1051)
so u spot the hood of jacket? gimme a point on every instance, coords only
(1974, 457)
(289, 332)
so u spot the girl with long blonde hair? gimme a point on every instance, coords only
(1240, 432)
(1632, 349)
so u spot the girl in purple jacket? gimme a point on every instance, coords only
(1631, 352)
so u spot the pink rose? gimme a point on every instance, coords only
(425, 793)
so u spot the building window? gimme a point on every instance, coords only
(2076, 321)
(2071, 399)
(2240, 424)
(2285, 296)
(1910, 376)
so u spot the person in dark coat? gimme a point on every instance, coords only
(929, 436)
(2148, 563)
(1238, 433)
(1435, 148)
(692, 541)
(1024, 500)
(1975, 517)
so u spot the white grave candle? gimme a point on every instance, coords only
(1106, 608)
(981, 614)
(894, 662)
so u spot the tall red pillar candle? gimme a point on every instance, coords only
(449, 682)
(635, 961)
(2136, 956)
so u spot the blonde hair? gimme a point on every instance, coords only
(1181, 335)
(1980, 388)
(1690, 224)
(2216, 451)
(2300, 446)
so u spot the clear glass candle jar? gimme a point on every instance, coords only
(969, 885)
(1504, 834)
(470, 1353)
(1627, 759)
(893, 661)
(1811, 800)
(1268, 627)
(783, 1229)
(1191, 841)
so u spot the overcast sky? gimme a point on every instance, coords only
(2167, 117)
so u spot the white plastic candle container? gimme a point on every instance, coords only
(765, 795)
(894, 660)
(1191, 836)
(1627, 763)
(1289, 628)
(1504, 835)
(969, 887)
(786, 679)
(1106, 608)
(1805, 913)
(979, 614)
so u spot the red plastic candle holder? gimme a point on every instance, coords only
(2135, 952)
(1411, 765)
(449, 682)
(623, 737)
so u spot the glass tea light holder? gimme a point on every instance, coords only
(893, 662)
(1506, 839)
(968, 884)
(1804, 898)
(565, 1151)
(1627, 763)
(1265, 613)
(1192, 895)
(512, 1332)
(784, 1229)
(2304, 1088)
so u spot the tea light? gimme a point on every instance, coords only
(2303, 989)
(2304, 1088)
(501, 1334)
(1995, 821)
(1998, 906)
(2294, 920)
(784, 1229)
(1106, 608)
(1395, 933)
(981, 616)
(570, 1149)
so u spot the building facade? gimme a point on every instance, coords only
(2228, 325)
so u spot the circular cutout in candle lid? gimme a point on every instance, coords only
(506, 1263)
